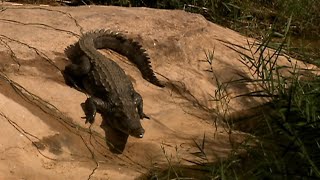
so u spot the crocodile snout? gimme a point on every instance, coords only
(138, 133)
(141, 135)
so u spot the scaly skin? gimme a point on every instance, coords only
(112, 93)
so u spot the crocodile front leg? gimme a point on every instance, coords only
(73, 73)
(91, 106)
(139, 103)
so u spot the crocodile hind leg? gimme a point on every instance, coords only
(90, 107)
(73, 72)
(139, 102)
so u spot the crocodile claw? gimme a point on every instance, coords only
(143, 115)
(89, 119)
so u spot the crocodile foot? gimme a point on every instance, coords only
(90, 110)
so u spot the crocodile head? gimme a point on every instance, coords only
(127, 120)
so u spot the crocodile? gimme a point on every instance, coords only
(110, 90)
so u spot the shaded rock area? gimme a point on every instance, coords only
(42, 134)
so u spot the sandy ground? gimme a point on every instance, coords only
(42, 135)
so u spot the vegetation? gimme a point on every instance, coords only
(285, 141)
(286, 136)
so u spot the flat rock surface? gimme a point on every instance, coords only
(42, 134)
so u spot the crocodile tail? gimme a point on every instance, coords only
(106, 39)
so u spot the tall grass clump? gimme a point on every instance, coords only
(287, 130)
(284, 142)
